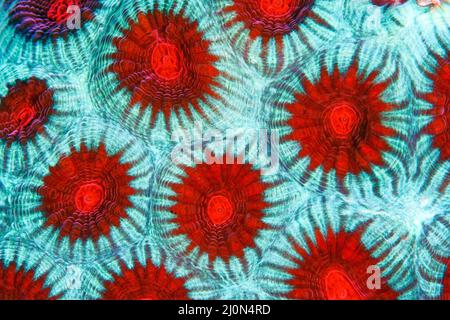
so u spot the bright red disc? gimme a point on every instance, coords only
(338, 286)
(88, 197)
(276, 8)
(219, 209)
(25, 109)
(60, 10)
(167, 61)
(343, 119)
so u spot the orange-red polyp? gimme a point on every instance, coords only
(88, 197)
(338, 286)
(219, 209)
(276, 8)
(167, 61)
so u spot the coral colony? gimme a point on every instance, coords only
(226, 149)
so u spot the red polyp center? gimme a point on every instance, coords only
(275, 8)
(58, 11)
(342, 120)
(338, 286)
(24, 116)
(219, 209)
(89, 197)
(167, 61)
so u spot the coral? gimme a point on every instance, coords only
(18, 284)
(164, 60)
(25, 109)
(166, 63)
(56, 33)
(330, 253)
(337, 121)
(89, 194)
(35, 106)
(335, 267)
(43, 19)
(86, 193)
(145, 283)
(339, 118)
(269, 34)
(220, 208)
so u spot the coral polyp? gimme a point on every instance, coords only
(268, 18)
(50, 19)
(338, 119)
(55, 33)
(25, 109)
(163, 60)
(145, 282)
(335, 267)
(218, 214)
(270, 34)
(86, 193)
(35, 105)
(337, 122)
(19, 284)
(89, 194)
(333, 253)
(220, 208)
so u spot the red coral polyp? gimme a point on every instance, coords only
(25, 109)
(164, 61)
(89, 197)
(338, 122)
(59, 10)
(167, 61)
(276, 8)
(269, 18)
(336, 267)
(145, 283)
(86, 193)
(19, 284)
(342, 120)
(439, 98)
(45, 19)
(219, 208)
